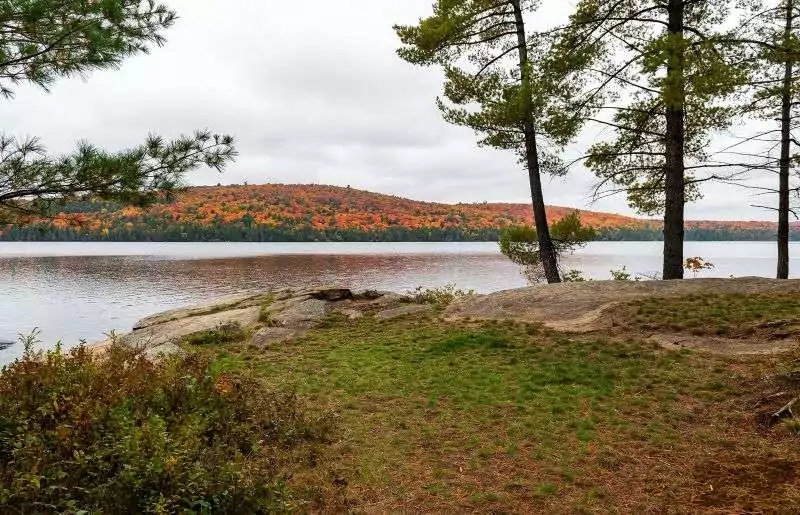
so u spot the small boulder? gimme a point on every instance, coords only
(302, 315)
(410, 309)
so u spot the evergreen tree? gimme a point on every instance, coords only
(768, 36)
(502, 83)
(43, 40)
(662, 70)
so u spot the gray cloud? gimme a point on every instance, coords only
(314, 94)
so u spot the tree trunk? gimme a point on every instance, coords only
(785, 163)
(674, 181)
(547, 250)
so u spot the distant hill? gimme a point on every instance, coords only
(279, 212)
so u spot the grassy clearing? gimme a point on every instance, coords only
(732, 315)
(509, 417)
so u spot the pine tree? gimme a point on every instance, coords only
(502, 83)
(768, 37)
(44, 40)
(662, 70)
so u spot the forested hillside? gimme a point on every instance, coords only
(277, 212)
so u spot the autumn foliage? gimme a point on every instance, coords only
(322, 209)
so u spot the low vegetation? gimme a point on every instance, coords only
(443, 295)
(429, 415)
(732, 315)
(225, 333)
(118, 434)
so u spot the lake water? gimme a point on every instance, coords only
(74, 291)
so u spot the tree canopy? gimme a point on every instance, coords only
(497, 85)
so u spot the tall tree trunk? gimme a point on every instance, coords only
(546, 248)
(785, 163)
(674, 181)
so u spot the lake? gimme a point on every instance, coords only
(74, 291)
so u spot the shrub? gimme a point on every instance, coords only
(520, 243)
(442, 295)
(118, 434)
(573, 276)
(697, 265)
(621, 274)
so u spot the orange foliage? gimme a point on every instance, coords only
(328, 207)
(331, 207)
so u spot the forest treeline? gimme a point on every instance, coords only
(281, 213)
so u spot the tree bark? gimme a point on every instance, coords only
(785, 162)
(675, 186)
(547, 250)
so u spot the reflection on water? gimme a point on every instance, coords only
(76, 291)
(75, 298)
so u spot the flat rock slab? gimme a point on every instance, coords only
(169, 332)
(272, 335)
(580, 307)
(221, 304)
(410, 309)
(304, 314)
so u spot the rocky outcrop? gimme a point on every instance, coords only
(582, 306)
(163, 337)
(215, 306)
(267, 319)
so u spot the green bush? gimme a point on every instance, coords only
(118, 434)
(443, 295)
(224, 333)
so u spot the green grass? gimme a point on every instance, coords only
(226, 333)
(431, 407)
(730, 315)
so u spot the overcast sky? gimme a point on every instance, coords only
(314, 93)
